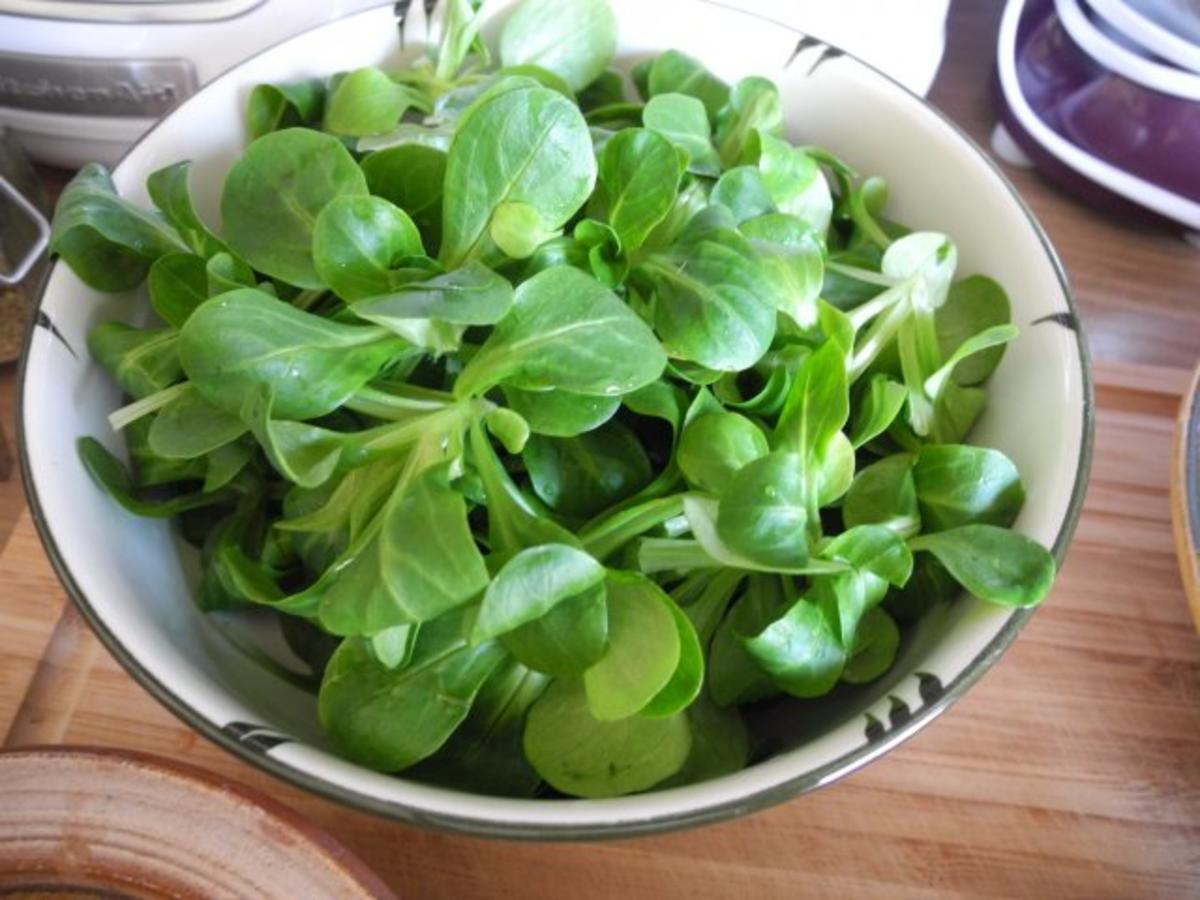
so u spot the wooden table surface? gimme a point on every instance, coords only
(1071, 770)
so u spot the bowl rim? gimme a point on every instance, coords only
(224, 790)
(768, 795)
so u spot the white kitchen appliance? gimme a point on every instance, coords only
(81, 80)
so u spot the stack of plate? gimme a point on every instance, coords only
(1104, 95)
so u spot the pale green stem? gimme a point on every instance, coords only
(673, 555)
(387, 405)
(127, 415)
(864, 313)
(617, 530)
(920, 410)
(406, 434)
(883, 330)
(860, 274)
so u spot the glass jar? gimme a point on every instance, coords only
(24, 234)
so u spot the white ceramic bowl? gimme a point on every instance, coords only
(131, 577)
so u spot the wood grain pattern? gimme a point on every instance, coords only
(1071, 770)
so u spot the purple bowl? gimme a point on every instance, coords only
(1104, 133)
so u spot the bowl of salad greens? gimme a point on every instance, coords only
(512, 420)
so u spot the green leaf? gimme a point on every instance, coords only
(542, 76)
(715, 446)
(225, 272)
(275, 106)
(973, 305)
(531, 584)
(514, 521)
(189, 426)
(688, 678)
(692, 200)
(484, 754)
(605, 259)
(993, 563)
(836, 326)
(874, 549)
(639, 173)
(961, 485)
(930, 586)
(411, 134)
(142, 361)
(415, 561)
(956, 412)
(274, 193)
(472, 295)
(113, 478)
(393, 647)
(764, 511)
(926, 255)
(884, 493)
(753, 106)
(817, 405)
(643, 648)
(794, 181)
(303, 454)
(606, 89)
(517, 229)
(659, 400)
(709, 550)
(168, 189)
(734, 676)
(366, 101)
(108, 242)
(878, 407)
(801, 650)
(714, 304)
(584, 475)
(585, 757)
(508, 427)
(151, 470)
(460, 37)
(682, 120)
(561, 413)
(358, 242)
(411, 176)
(794, 262)
(875, 648)
(574, 39)
(568, 639)
(742, 192)
(178, 283)
(835, 473)
(239, 341)
(674, 72)
(988, 339)
(225, 463)
(390, 719)
(566, 331)
(720, 744)
(529, 145)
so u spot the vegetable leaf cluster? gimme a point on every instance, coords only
(555, 422)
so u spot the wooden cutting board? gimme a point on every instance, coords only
(1071, 770)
